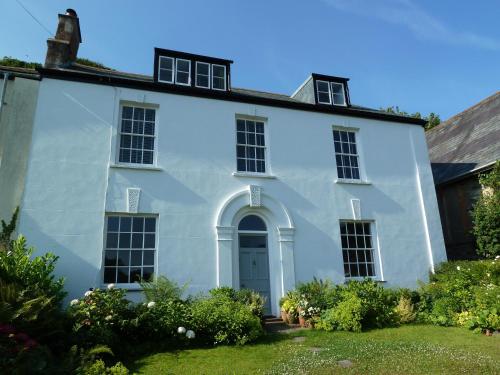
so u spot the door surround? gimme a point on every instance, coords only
(280, 241)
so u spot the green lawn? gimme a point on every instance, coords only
(416, 349)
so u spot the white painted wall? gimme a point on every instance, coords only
(70, 185)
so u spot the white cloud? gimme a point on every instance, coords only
(422, 24)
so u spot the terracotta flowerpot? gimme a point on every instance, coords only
(292, 319)
(302, 321)
(284, 317)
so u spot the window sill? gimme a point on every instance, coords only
(353, 182)
(138, 166)
(257, 175)
(131, 287)
(347, 279)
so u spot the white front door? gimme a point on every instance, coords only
(254, 266)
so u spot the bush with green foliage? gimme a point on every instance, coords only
(219, 319)
(347, 315)
(486, 215)
(102, 317)
(162, 289)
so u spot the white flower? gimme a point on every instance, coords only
(190, 334)
(88, 293)
(497, 257)
(109, 317)
(181, 330)
(73, 302)
(487, 274)
(458, 268)
(151, 304)
(111, 286)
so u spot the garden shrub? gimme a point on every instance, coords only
(253, 300)
(218, 319)
(405, 310)
(102, 317)
(159, 321)
(346, 315)
(486, 215)
(162, 289)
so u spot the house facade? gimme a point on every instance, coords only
(460, 149)
(182, 175)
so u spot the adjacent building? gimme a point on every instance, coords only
(460, 149)
(183, 175)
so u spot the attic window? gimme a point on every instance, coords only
(323, 89)
(166, 69)
(338, 96)
(218, 77)
(182, 72)
(202, 75)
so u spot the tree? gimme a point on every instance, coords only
(432, 118)
(486, 215)
(10, 61)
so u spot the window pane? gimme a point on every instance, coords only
(202, 68)
(218, 83)
(166, 75)
(251, 126)
(150, 224)
(135, 274)
(125, 156)
(183, 65)
(240, 125)
(166, 63)
(126, 126)
(240, 151)
(148, 143)
(202, 81)
(182, 78)
(322, 86)
(127, 112)
(250, 133)
(147, 273)
(150, 114)
(323, 97)
(149, 241)
(218, 71)
(149, 258)
(123, 257)
(112, 240)
(149, 128)
(124, 240)
(136, 258)
(110, 258)
(123, 275)
(241, 165)
(240, 137)
(113, 222)
(109, 275)
(138, 224)
(259, 127)
(147, 157)
(137, 240)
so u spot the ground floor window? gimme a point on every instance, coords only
(357, 248)
(129, 251)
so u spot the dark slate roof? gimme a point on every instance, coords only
(110, 76)
(467, 142)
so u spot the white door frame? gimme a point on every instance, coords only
(280, 241)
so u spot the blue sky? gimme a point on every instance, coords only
(423, 55)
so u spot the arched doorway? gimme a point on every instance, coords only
(254, 257)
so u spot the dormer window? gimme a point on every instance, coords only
(218, 77)
(193, 71)
(183, 72)
(338, 94)
(166, 69)
(202, 75)
(323, 89)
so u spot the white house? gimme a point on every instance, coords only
(181, 174)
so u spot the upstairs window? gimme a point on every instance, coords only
(202, 75)
(183, 72)
(346, 154)
(250, 146)
(166, 69)
(357, 249)
(218, 77)
(323, 89)
(338, 96)
(137, 135)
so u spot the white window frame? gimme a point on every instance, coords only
(212, 79)
(329, 92)
(343, 94)
(209, 74)
(267, 172)
(375, 249)
(362, 175)
(119, 134)
(189, 72)
(173, 69)
(135, 285)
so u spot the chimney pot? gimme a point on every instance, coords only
(71, 12)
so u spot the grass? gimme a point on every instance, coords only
(413, 349)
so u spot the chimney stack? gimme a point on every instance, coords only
(63, 48)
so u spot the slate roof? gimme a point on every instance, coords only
(467, 142)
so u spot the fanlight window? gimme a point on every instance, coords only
(252, 222)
